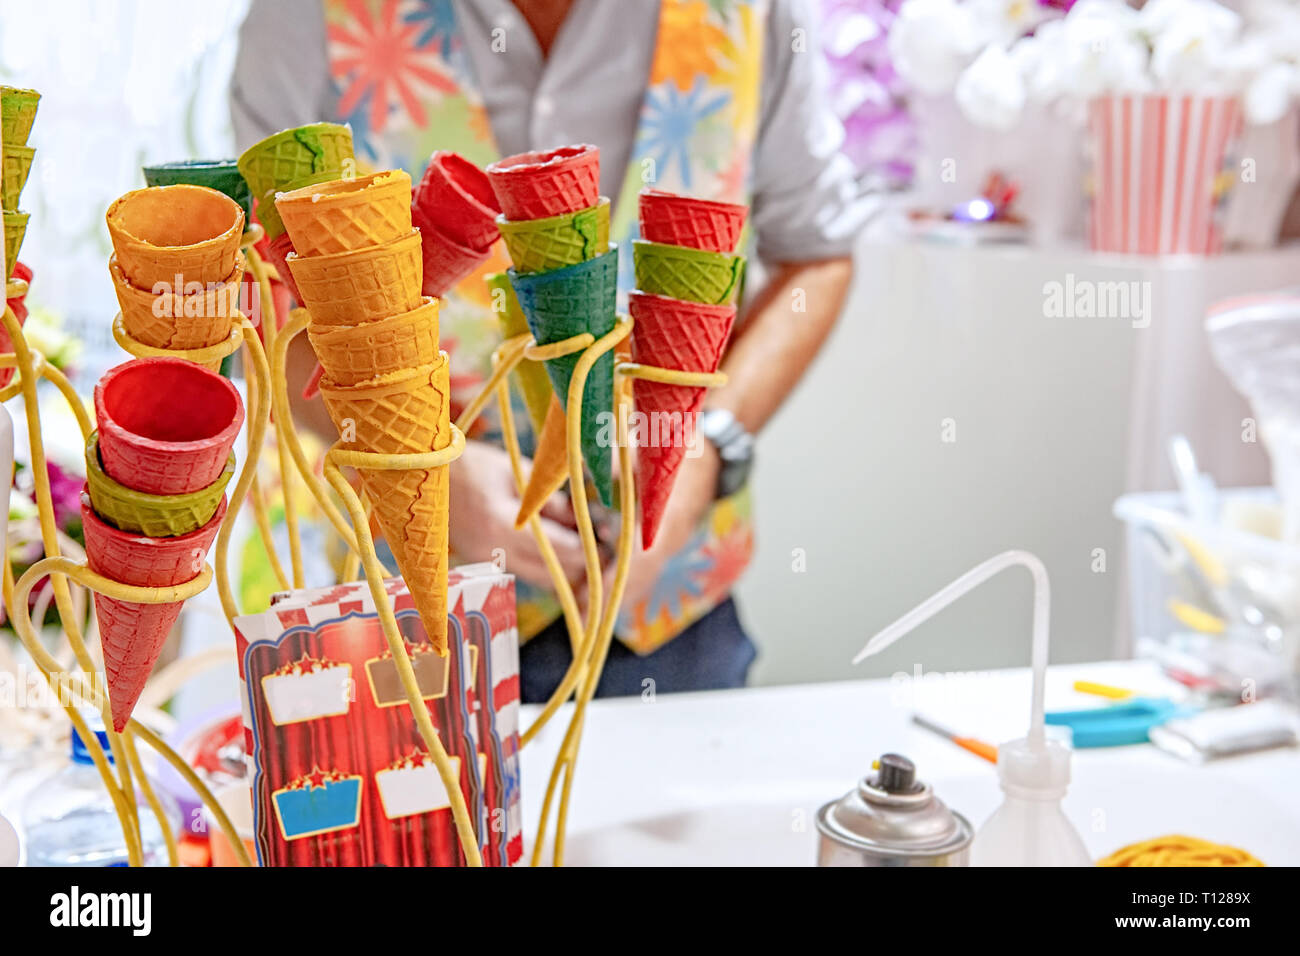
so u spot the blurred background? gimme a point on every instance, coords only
(972, 399)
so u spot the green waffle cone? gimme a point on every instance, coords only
(564, 303)
(155, 516)
(679, 272)
(15, 229)
(540, 245)
(294, 155)
(219, 174)
(17, 164)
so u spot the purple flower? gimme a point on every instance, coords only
(866, 91)
(65, 493)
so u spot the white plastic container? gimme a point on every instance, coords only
(1030, 828)
(1217, 601)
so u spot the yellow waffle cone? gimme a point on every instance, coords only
(405, 412)
(550, 465)
(352, 354)
(15, 166)
(347, 214)
(360, 286)
(171, 321)
(161, 232)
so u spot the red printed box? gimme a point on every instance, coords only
(340, 773)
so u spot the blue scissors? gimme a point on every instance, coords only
(1119, 724)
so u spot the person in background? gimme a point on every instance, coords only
(721, 99)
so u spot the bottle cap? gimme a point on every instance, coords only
(80, 754)
(1034, 771)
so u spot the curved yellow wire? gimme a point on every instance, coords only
(388, 621)
(259, 414)
(208, 355)
(296, 324)
(258, 270)
(91, 693)
(50, 542)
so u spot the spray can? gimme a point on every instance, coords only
(892, 819)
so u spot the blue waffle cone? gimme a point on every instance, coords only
(563, 303)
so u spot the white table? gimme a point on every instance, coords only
(735, 777)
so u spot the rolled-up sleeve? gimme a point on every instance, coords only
(807, 203)
(281, 77)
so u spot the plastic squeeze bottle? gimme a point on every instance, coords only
(1029, 828)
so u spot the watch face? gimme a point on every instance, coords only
(733, 476)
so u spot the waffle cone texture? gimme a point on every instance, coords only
(406, 412)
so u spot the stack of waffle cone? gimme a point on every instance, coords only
(358, 268)
(691, 251)
(17, 113)
(556, 228)
(176, 265)
(157, 468)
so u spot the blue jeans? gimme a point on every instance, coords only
(711, 654)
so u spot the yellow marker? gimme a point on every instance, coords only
(1102, 690)
(1189, 615)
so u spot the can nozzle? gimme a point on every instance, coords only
(896, 774)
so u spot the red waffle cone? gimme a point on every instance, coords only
(278, 252)
(446, 261)
(133, 634)
(456, 195)
(687, 221)
(551, 183)
(166, 426)
(675, 334)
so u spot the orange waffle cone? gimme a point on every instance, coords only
(550, 465)
(162, 232)
(347, 214)
(352, 354)
(360, 286)
(688, 336)
(133, 634)
(171, 321)
(406, 412)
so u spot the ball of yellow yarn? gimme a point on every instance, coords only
(1179, 850)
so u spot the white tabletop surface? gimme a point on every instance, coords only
(735, 777)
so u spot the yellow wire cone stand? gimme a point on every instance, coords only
(72, 689)
(268, 400)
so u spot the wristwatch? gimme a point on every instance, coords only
(735, 447)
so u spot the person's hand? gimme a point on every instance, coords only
(692, 495)
(484, 503)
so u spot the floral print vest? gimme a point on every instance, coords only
(405, 85)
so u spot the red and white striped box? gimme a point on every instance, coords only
(1160, 172)
(340, 776)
